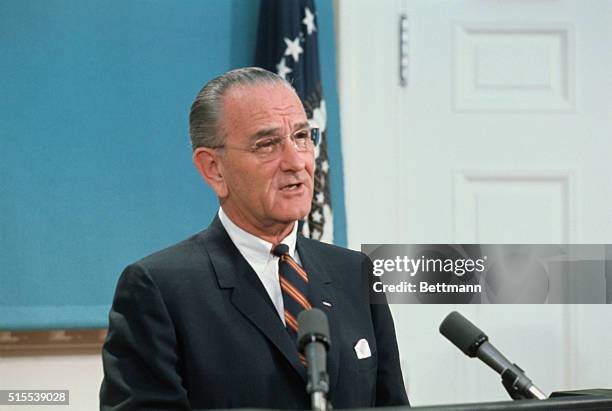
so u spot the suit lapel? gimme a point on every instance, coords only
(321, 290)
(248, 296)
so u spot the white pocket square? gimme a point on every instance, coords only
(362, 349)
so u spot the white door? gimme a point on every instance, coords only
(503, 134)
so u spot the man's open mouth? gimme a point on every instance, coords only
(291, 187)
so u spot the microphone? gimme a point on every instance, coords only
(475, 343)
(313, 343)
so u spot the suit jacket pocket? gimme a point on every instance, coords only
(367, 364)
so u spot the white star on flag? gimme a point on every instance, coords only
(319, 116)
(282, 69)
(293, 48)
(325, 166)
(309, 21)
(316, 216)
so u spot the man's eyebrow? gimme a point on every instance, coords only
(274, 131)
(266, 132)
(299, 126)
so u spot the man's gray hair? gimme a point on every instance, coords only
(206, 110)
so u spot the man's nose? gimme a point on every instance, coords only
(291, 158)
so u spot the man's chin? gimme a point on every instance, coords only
(294, 214)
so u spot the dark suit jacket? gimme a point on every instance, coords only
(192, 326)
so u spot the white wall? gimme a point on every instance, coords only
(80, 374)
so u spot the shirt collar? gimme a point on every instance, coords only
(252, 247)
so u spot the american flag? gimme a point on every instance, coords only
(287, 44)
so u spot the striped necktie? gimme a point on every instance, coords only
(294, 286)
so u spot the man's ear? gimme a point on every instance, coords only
(207, 162)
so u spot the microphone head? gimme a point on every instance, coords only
(461, 332)
(312, 326)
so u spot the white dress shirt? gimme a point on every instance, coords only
(257, 253)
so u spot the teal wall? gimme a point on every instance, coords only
(95, 162)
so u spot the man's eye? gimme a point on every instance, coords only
(302, 135)
(267, 144)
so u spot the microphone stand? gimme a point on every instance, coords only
(510, 382)
(318, 386)
(313, 342)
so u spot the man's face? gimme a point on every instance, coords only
(265, 193)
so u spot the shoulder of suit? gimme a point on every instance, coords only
(175, 257)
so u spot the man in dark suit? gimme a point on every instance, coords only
(207, 323)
